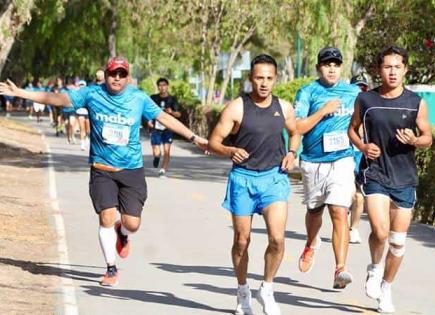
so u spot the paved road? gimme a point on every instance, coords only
(180, 261)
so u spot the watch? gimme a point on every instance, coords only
(295, 154)
(192, 138)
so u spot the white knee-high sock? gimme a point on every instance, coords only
(108, 244)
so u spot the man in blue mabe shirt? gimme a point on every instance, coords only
(323, 111)
(117, 181)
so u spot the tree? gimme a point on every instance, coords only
(13, 15)
(413, 32)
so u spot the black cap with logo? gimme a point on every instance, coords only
(329, 54)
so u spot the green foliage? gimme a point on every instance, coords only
(287, 91)
(148, 85)
(425, 206)
(413, 32)
(183, 91)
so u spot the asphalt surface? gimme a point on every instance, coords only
(180, 261)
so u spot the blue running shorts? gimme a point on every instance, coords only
(161, 137)
(249, 192)
(404, 197)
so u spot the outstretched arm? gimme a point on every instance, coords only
(56, 99)
(176, 126)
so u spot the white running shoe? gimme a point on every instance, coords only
(82, 145)
(266, 299)
(385, 300)
(342, 278)
(244, 302)
(162, 173)
(355, 238)
(374, 280)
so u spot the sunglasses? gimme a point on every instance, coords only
(121, 73)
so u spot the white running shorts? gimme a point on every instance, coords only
(331, 183)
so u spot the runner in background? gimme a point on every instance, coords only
(160, 135)
(357, 207)
(84, 124)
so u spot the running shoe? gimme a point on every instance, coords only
(266, 299)
(162, 173)
(385, 300)
(355, 238)
(244, 301)
(82, 145)
(122, 241)
(374, 280)
(306, 261)
(342, 278)
(110, 279)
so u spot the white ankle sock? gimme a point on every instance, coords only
(267, 285)
(243, 287)
(107, 238)
(124, 231)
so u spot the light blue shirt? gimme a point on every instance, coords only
(311, 98)
(115, 123)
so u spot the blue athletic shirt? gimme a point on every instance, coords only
(320, 143)
(66, 109)
(115, 122)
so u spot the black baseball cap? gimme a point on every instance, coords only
(359, 79)
(329, 54)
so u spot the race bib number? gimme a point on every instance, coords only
(159, 126)
(116, 134)
(335, 141)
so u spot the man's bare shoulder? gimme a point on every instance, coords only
(287, 107)
(234, 108)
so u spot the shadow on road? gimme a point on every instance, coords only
(287, 298)
(151, 297)
(52, 269)
(424, 234)
(228, 272)
(290, 234)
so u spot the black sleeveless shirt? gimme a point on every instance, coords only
(260, 134)
(381, 117)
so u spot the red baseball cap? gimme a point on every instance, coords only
(117, 63)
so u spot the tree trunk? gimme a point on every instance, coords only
(11, 21)
(227, 76)
(211, 83)
(289, 69)
(112, 31)
(352, 37)
(236, 48)
(204, 21)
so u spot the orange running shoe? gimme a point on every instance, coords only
(122, 241)
(110, 279)
(306, 261)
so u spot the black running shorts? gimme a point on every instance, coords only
(125, 190)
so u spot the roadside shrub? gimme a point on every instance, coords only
(287, 91)
(425, 206)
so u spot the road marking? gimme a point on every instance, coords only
(67, 285)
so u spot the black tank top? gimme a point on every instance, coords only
(260, 134)
(381, 117)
